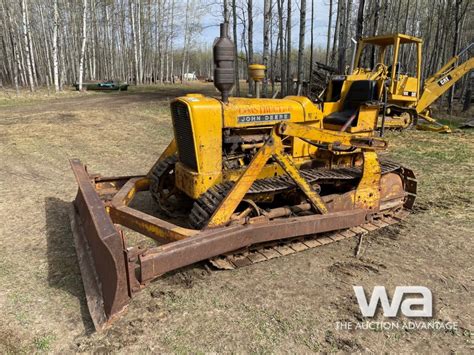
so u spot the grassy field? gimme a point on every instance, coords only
(287, 304)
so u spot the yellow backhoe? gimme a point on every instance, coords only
(402, 97)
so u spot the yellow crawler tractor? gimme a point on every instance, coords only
(398, 84)
(244, 180)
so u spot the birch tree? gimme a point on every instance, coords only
(135, 45)
(83, 44)
(14, 47)
(266, 40)
(457, 20)
(236, 59)
(26, 39)
(301, 45)
(283, 79)
(250, 40)
(289, 83)
(225, 11)
(311, 45)
(55, 46)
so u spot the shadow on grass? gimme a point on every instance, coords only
(63, 270)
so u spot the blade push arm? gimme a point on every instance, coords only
(330, 137)
(273, 147)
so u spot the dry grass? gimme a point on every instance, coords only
(288, 304)
(9, 97)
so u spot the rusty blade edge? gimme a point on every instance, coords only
(90, 281)
(99, 248)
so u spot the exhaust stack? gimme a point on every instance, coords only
(223, 52)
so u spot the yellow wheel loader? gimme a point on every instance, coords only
(243, 180)
(403, 100)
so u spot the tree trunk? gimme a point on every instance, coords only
(347, 36)
(185, 46)
(226, 10)
(134, 38)
(311, 45)
(94, 40)
(139, 37)
(250, 41)
(397, 21)
(48, 57)
(236, 59)
(341, 9)
(26, 38)
(405, 25)
(266, 40)
(273, 51)
(283, 79)
(288, 49)
(55, 46)
(83, 45)
(374, 31)
(171, 41)
(335, 42)
(301, 46)
(360, 20)
(30, 49)
(468, 95)
(457, 20)
(14, 46)
(328, 43)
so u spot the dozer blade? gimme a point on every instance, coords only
(113, 272)
(100, 252)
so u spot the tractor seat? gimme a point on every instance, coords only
(360, 92)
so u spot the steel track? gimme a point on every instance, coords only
(263, 252)
(208, 202)
(205, 206)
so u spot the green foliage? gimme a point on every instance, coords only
(43, 343)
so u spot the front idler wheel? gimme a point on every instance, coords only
(169, 199)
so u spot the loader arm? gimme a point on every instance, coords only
(440, 82)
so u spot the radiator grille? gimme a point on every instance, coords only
(184, 134)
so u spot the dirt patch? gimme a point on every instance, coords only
(341, 344)
(137, 97)
(288, 304)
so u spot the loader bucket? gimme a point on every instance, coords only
(431, 127)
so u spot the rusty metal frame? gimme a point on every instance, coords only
(153, 227)
(213, 242)
(113, 272)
